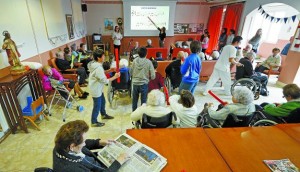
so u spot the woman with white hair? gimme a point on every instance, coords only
(155, 107)
(242, 105)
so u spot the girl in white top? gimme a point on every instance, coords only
(185, 109)
(117, 37)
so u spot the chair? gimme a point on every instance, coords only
(52, 63)
(273, 72)
(157, 122)
(233, 120)
(294, 117)
(37, 109)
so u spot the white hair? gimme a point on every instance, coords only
(215, 54)
(243, 95)
(251, 54)
(123, 63)
(156, 98)
(149, 42)
(59, 55)
(202, 56)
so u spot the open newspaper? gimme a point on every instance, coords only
(142, 158)
(282, 165)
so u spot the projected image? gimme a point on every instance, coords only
(140, 17)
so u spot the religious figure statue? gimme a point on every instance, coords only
(13, 54)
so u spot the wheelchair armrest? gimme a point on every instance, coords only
(144, 118)
(174, 115)
(235, 118)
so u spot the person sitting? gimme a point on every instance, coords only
(173, 70)
(291, 92)
(149, 43)
(247, 49)
(84, 56)
(273, 61)
(63, 65)
(134, 51)
(246, 71)
(215, 55)
(242, 105)
(184, 107)
(125, 76)
(158, 82)
(202, 56)
(159, 56)
(72, 151)
(52, 73)
(67, 55)
(155, 107)
(287, 46)
(185, 45)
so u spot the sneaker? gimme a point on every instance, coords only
(204, 93)
(107, 117)
(84, 96)
(98, 124)
(86, 93)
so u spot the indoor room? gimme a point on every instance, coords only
(149, 85)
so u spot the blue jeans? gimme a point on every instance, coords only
(99, 106)
(188, 86)
(136, 90)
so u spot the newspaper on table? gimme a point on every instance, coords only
(282, 165)
(142, 157)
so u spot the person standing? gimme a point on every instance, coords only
(222, 67)
(205, 42)
(141, 71)
(162, 36)
(254, 41)
(97, 80)
(230, 37)
(191, 68)
(222, 39)
(117, 37)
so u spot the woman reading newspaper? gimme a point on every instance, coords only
(72, 150)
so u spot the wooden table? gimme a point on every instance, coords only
(293, 130)
(188, 150)
(244, 149)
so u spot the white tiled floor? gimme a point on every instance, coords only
(24, 152)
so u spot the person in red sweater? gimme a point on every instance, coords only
(158, 82)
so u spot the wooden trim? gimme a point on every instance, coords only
(193, 3)
(104, 2)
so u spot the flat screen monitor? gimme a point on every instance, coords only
(97, 38)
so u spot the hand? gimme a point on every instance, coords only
(258, 64)
(117, 75)
(226, 103)
(106, 142)
(113, 69)
(123, 157)
(239, 64)
(59, 82)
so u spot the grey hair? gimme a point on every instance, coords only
(149, 41)
(251, 54)
(215, 54)
(59, 54)
(156, 98)
(250, 46)
(243, 95)
(202, 56)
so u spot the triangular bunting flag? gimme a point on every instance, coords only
(293, 18)
(278, 19)
(267, 16)
(285, 19)
(272, 18)
(263, 11)
(259, 7)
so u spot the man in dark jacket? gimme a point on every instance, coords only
(173, 70)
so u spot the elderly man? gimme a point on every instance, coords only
(173, 70)
(273, 61)
(149, 43)
(246, 71)
(247, 49)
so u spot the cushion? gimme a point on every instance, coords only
(32, 65)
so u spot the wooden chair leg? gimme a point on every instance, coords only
(33, 123)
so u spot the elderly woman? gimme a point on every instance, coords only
(72, 150)
(242, 105)
(291, 93)
(155, 107)
(184, 107)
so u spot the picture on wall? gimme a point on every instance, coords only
(108, 24)
(70, 26)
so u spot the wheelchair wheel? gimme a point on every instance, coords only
(168, 84)
(110, 95)
(249, 83)
(264, 122)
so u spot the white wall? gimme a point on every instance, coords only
(26, 24)
(96, 13)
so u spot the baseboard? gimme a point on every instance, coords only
(280, 84)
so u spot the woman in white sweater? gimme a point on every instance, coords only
(184, 107)
(155, 107)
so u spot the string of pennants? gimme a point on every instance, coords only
(276, 19)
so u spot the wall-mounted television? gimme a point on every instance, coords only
(97, 38)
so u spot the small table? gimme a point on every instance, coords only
(293, 130)
(185, 149)
(244, 149)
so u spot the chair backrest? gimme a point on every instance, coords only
(233, 120)
(52, 63)
(294, 116)
(158, 122)
(37, 106)
(124, 81)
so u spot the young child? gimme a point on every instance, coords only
(158, 82)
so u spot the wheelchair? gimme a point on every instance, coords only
(251, 84)
(173, 81)
(118, 90)
(156, 122)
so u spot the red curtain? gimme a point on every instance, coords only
(213, 26)
(233, 16)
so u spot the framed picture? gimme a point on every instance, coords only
(108, 24)
(70, 26)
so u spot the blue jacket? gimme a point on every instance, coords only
(191, 69)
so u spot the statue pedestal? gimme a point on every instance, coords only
(17, 70)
